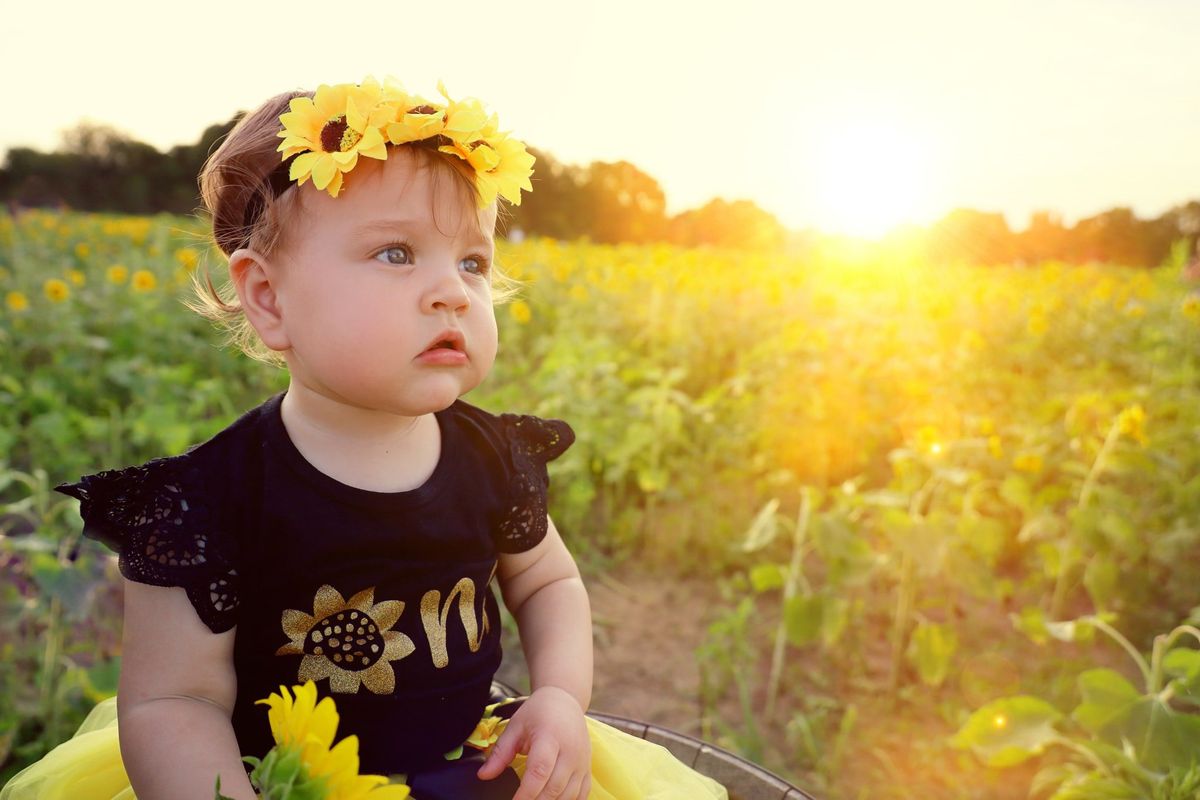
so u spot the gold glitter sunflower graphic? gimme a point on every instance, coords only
(347, 642)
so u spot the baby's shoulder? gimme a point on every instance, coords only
(518, 447)
(509, 434)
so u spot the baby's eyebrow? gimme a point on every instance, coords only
(385, 225)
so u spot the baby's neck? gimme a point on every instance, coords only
(366, 449)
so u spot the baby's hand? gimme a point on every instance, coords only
(550, 729)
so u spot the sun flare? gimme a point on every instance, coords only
(872, 176)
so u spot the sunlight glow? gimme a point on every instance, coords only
(872, 176)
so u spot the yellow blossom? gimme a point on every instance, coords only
(77, 277)
(330, 130)
(82, 250)
(302, 722)
(56, 290)
(487, 732)
(579, 292)
(118, 274)
(187, 257)
(1132, 423)
(927, 440)
(995, 447)
(1037, 325)
(16, 301)
(1028, 462)
(144, 280)
(1191, 307)
(520, 311)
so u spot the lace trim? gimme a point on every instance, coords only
(156, 517)
(533, 441)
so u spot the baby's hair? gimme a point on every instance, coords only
(236, 175)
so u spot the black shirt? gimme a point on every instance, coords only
(385, 600)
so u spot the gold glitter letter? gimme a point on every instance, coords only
(433, 617)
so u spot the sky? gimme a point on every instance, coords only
(851, 116)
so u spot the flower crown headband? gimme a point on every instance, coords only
(324, 135)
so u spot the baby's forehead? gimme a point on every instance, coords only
(372, 213)
(476, 227)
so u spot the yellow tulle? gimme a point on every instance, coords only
(88, 767)
(625, 767)
(85, 767)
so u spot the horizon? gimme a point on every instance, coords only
(871, 116)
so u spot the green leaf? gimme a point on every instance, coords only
(102, 679)
(844, 549)
(69, 583)
(803, 617)
(217, 791)
(1115, 711)
(1009, 731)
(931, 650)
(834, 619)
(1107, 699)
(763, 529)
(765, 577)
(1033, 623)
(1015, 490)
(1100, 579)
(1183, 664)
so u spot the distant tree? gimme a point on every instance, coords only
(623, 204)
(971, 236)
(721, 223)
(1045, 238)
(555, 207)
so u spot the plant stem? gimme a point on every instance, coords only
(1059, 597)
(49, 676)
(1098, 465)
(1162, 644)
(1138, 658)
(795, 575)
(905, 592)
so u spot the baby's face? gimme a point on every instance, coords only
(360, 308)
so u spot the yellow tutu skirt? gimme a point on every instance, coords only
(88, 767)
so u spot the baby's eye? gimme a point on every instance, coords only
(481, 264)
(392, 252)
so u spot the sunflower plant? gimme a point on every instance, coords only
(305, 764)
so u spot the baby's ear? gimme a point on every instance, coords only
(251, 274)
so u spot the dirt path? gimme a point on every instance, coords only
(646, 629)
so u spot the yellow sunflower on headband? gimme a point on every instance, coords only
(335, 126)
(329, 131)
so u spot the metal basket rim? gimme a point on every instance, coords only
(603, 716)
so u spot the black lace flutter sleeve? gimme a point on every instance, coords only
(158, 518)
(531, 443)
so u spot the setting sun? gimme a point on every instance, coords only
(871, 177)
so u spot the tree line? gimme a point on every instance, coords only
(97, 168)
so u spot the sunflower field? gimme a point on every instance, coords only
(950, 516)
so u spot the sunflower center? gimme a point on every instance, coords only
(337, 136)
(348, 638)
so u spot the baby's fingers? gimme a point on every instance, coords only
(571, 792)
(503, 752)
(539, 767)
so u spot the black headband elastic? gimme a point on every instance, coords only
(276, 183)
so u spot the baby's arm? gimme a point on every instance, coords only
(543, 590)
(175, 700)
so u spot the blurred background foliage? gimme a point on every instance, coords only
(911, 486)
